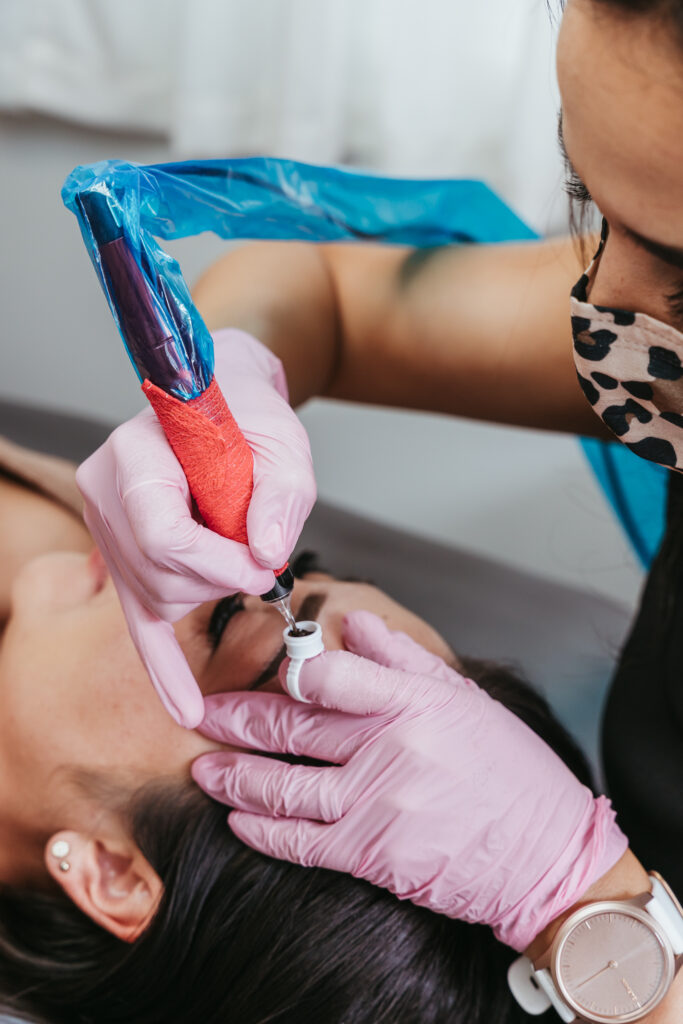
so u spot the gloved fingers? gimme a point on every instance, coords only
(157, 515)
(135, 452)
(165, 662)
(368, 636)
(293, 839)
(255, 388)
(284, 494)
(237, 353)
(148, 582)
(262, 785)
(345, 682)
(276, 724)
(177, 552)
(122, 572)
(168, 559)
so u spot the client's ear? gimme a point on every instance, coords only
(107, 878)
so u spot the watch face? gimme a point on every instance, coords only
(612, 963)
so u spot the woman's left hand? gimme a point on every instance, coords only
(433, 790)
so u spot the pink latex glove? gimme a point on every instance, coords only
(163, 562)
(438, 792)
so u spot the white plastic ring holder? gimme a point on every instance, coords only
(299, 650)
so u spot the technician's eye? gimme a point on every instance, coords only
(675, 303)
(573, 186)
(221, 615)
(576, 189)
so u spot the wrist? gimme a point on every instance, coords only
(627, 878)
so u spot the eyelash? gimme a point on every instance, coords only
(305, 562)
(221, 615)
(675, 301)
(573, 186)
(578, 193)
(576, 189)
(231, 605)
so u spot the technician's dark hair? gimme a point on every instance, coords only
(245, 939)
(667, 10)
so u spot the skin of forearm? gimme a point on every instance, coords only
(283, 294)
(628, 878)
(476, 331)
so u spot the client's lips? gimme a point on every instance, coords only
(98, 569)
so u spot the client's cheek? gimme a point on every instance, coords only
(30, 590)
(53, 582)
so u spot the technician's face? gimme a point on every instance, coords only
(73, 691)
(621, 80)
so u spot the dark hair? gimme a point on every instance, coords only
(239, 937)
(665, 8)
(668, 11)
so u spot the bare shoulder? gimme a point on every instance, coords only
(32, 524)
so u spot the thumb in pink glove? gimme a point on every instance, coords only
(163, 562)
(435, 791)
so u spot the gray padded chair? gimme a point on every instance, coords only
(563, 640)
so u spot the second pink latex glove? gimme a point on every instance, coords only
(436, 791)
(164, 563)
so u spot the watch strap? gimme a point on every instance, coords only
(667, 912)
(544, 979)
(535, 990)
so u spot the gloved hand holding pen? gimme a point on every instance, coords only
(435, 791)
(164, 562)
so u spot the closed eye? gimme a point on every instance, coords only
(576, 189)
(573, 185)
(675, 304)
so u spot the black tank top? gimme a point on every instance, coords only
(643, 723)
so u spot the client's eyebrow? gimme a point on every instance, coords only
(309, 610)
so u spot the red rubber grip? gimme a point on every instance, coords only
(214, 454)
(216, 459)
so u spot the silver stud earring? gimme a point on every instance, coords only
(60, 850)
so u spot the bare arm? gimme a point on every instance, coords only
(477, 331)
(31, 524)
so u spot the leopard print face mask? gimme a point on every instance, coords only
(630, 369)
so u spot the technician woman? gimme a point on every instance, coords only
(481, 332)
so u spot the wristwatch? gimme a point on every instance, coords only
(611, 961)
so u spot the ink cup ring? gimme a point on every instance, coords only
(300, 649)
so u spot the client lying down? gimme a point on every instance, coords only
(123, 896)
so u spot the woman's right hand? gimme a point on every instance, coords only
(436, 791)
(164, 562)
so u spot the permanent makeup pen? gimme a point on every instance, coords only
(176, 370)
